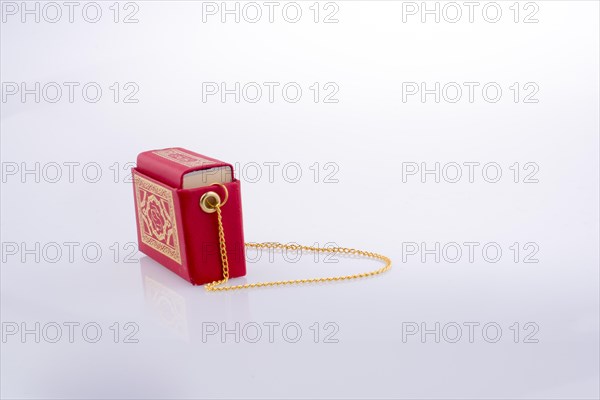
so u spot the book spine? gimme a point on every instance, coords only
(160, 169)
(169, 165)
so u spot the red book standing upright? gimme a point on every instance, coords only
(171, 226)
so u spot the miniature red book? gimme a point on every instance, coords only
(171, 226)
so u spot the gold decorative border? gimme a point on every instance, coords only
(144, 189)
(183, 158)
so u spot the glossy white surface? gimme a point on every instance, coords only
(363, 349)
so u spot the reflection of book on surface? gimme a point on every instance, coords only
(168, 304)
(205, 177)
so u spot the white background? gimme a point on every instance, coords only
(369, 136)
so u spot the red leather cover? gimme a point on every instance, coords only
(173, 229)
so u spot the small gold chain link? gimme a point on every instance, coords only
(214, 286)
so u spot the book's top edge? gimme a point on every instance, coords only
(187, 158)
(170, 165)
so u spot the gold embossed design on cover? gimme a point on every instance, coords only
(183, 158)
(156, 214)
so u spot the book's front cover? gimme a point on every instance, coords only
(159, 223)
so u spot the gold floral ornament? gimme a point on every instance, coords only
(156, 219)
(156, 214)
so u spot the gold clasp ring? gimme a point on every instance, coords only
(211, 200)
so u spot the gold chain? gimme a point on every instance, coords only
(214, 286)
(224, 262)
